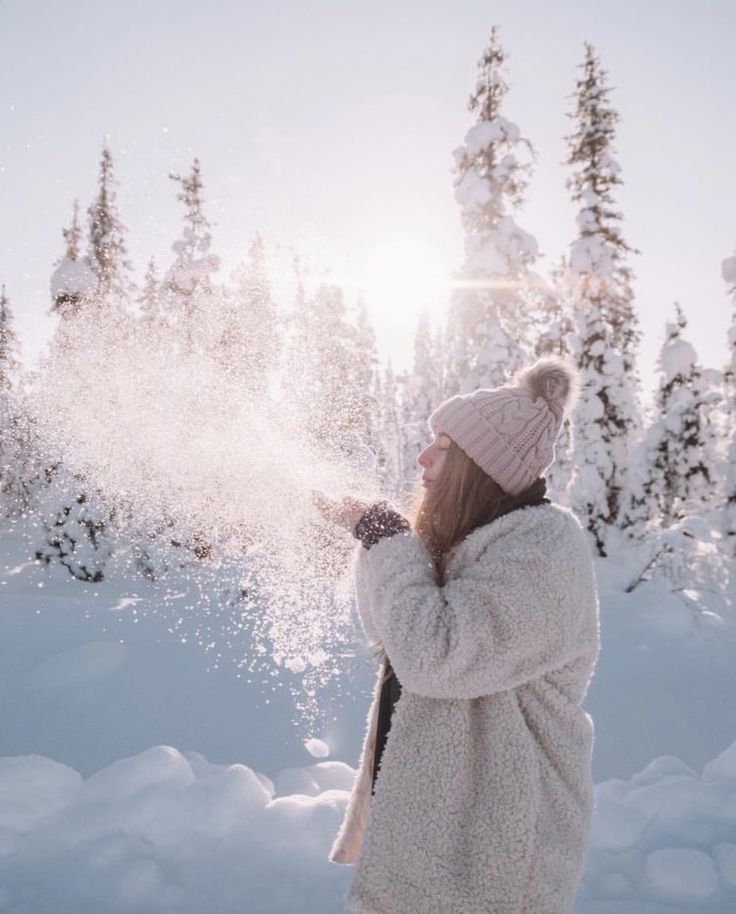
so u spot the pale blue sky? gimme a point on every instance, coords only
(331, 125)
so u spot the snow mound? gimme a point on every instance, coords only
(164, 831)
(663, 841)
(681, 874)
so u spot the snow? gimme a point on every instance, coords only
(725, 856)
(154, 832)
(229, 811)
(484, 133)
(473, 190)
(31, 788)
(681, 874)
(591, 255)
(317, 747)
(723, 766)
(728, 269)
(677, 358)
(72, 277)
(83, 663)
(166, 828)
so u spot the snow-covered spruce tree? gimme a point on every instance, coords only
(75, 518)
(107, 251)
(187, 289)
(728, 269)
(487, 334)
(675, 472)
(17, 471)
(553, 333)
(421, 394)
(73, 281)
(606, 333)
(367, 379)
(326, 389)
(151, 318)
(248, 344)
(391, 469)
(671, 491)
(554, 323)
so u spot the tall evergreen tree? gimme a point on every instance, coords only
(149, 299)
(73, 280)
(598, 257)
(554, 319)
(326, 390)
(602, 299)
(87, 293)
(16, 483)
(729, 379)
(673, 472)
(188, 288)
(10, 363)
(421, 394)
(107, 254)
(391, 450)
(367, 379)
(554, 332)
(249, 342)
(487, 335)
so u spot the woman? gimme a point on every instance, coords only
(486, 607)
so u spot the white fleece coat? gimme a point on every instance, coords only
(484, 798)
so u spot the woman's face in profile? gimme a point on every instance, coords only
(432, 459)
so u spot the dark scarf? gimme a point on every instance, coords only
(390, 685)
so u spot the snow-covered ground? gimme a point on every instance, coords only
(138, 776)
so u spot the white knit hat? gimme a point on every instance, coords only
(510, 431)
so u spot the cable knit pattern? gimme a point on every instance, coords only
(510, 431)
(484, 797)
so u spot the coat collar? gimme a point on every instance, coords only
(517, 522)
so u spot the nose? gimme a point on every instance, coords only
(422, 458)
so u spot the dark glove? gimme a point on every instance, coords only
(378, 521)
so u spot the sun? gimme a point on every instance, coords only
(402, 275)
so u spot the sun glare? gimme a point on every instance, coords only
(403, 275)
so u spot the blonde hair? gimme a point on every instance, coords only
(462, 498)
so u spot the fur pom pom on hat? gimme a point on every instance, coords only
(510, 431)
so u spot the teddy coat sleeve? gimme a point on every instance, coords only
(507, 619)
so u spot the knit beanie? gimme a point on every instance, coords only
(510, 431)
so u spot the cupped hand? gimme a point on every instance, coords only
(345, 512)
